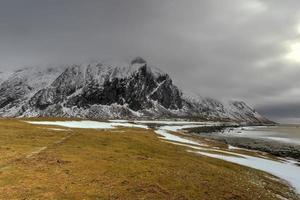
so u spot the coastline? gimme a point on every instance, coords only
(273, 147)
(284, 168)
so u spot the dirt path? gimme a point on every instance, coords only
(36, 152)
(40, 150)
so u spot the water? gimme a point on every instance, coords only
(281, 133)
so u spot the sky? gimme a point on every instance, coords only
(229, 49)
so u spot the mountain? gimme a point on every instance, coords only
(107, 90)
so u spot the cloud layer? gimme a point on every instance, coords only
(224, 49)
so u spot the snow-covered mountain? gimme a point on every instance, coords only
(106, 90)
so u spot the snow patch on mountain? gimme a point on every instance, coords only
(110, 90)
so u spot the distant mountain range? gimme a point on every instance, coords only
(108, 90)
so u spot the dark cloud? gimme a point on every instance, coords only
(282, 110)
(225, 49)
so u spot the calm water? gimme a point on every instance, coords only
(280, 133)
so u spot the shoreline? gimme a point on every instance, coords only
(284, 168)
(273, 147)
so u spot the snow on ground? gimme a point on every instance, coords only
(75, 124)
(57, 129)
(87, 124)
(119, 120)
(286, 171)
(129, 125)
(181, 127)
(230, 147)
(174, 122)
(171, 137)
(164, 131)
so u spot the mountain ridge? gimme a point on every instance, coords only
(106, 91)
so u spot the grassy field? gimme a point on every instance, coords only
(37, 162)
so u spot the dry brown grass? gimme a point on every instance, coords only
(121, 163)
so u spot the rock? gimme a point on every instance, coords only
(102, 90)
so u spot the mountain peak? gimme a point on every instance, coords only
(110, 90)
(138, 60)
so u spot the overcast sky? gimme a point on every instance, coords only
(228, 49)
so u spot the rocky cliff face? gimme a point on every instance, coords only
(18, 87)
(101, 90)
